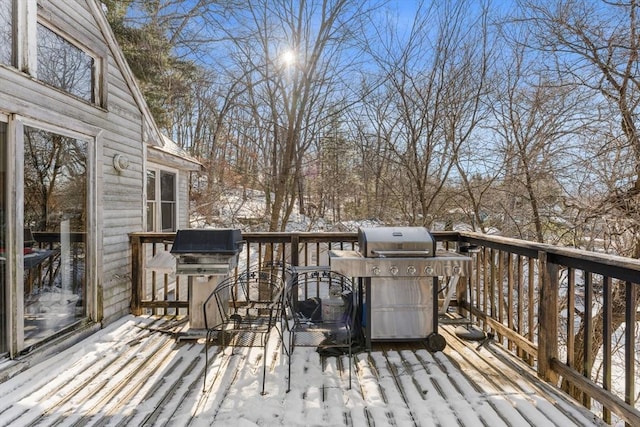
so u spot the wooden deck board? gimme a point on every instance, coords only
(136, 372)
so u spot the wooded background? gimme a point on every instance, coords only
(519, 117)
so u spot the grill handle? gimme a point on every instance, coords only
(397, 254)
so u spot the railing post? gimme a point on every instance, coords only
(462, 287)
(295, 250)
(547, 317)
(136, 275)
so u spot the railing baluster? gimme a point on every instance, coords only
(607, 315)
(530, 305)
(153, 278)
(571, 315)
(492, 283)
(500, 293)
(587, 343)
(571, 318)
(485, 284)
(479, 258)
(630, 343)
(520, 322)
(510, 302)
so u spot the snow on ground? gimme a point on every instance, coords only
(238, 208)
(134, 373)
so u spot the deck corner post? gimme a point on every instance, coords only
(136, 274)
(461, 295)
(547, 317)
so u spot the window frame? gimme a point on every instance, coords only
(7, 322)
(96, 68)
(72, 129)
(26, 16)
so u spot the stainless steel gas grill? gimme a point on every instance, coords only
(400, 267)
(206, 256)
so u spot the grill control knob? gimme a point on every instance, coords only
(393, 270)
(376, 271)
(456, 269)
(411, 270)
(428, 270)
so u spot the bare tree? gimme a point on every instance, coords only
(537, 121)
(374, 165)
(294, 54)
(435, 76)
(596, 45)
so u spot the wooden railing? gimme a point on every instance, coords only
(531, 297)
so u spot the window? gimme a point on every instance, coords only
(63, 65)
(161, 201)
(55, 225)
(6, 32)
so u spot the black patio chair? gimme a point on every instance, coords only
(321, 312)
(249, 308)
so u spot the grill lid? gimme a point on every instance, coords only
(384, 242)
(206, 251)
(203, 241)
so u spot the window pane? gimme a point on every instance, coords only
(167, 186)
(168, 216)
(151, 216)
(6, 32)
(151, 185)
(55, 212)
(63, 65)
(168, 197)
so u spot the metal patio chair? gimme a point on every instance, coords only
(249, 308)
(321, 312)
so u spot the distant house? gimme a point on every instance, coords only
(82, 164)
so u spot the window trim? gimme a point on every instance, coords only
(7, 333)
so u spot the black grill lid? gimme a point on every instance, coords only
(396, 242)
(207, 241)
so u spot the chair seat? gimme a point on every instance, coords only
(320, 335)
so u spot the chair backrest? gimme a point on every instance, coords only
(321, 296)
(249, 295)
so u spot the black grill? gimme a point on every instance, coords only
(206, 251)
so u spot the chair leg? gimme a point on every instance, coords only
(289, 354)
(350, 358)
(206, 359)
(264, 361)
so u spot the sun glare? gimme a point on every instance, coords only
(288, 57)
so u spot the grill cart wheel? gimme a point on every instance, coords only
(436, 342)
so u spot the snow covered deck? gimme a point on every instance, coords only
(135, 372)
